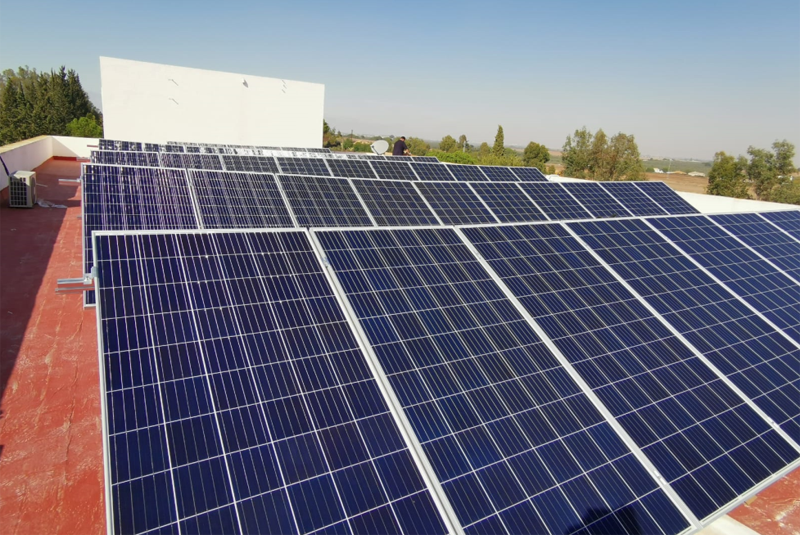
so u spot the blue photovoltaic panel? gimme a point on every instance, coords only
(132, 198)
(595, 199)
(515, 443)
(466, 173)
(508, 202)
(303, 166)
(142, 159)
(192, 161)
(455, 203)
(252, 164)
(239, 200)
(351, 168)
(324, 202)
(110, 144)
(762, 285)
(361, 156)
(497, 173)
(701, 436)
(788, 221)
(427, 159)
(767, 240)
(237, 397)
(394, 203)
(666, 198)
(432, 171)
(394, 170)
(173, 148)
(633, 198)
(528, 174)
(555, 201)
(758, 359)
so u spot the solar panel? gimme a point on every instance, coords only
(773, 244)
(254, 164)
(595, 199)
(394, 170)
(747, 274)
(508, 202)
(142, 159)
(303, 166)
(788, 221)
(528, 174)
(633, 198)
(239, 200)
(394, 203)
(702, 437)
(466, 173)
(498, 173)
(152, 147)
(360, 156)
(324, 202)
(516, 445)
(426, 159)
(193, 150)
(237, 397)
(110, 144)
(173, 148)
(432, 171)
(211, 162)
(758, 359)
(455, 203)
(666, 198)
(351, 168)
(554, 201)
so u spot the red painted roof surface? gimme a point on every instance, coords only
(51, 463)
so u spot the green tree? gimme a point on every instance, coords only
(727, 176)
(621, 160)
(788, 192)
(784, 157)
(577, 154)
(453, 157)
(498, 149)
(85, 127)
(762, 172)
(448, 144)
(463, 144)
(594, 156)
(536, 155)
(417, 146)
(484, 150)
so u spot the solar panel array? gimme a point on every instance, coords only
(593, 376)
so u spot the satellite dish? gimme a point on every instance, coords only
(380, 146)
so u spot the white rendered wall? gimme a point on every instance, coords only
(159, 103)
(714, 204)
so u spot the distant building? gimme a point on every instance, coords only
(657, 170)
(697, 173)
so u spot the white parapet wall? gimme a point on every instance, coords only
(159, 103)
(29, 154)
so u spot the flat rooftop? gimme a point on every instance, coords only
(51, 460)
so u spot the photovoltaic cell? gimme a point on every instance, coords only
(555, 201)
(767, 240)
(455, 203)
(762, 285)
(303, 166)
(432, 171)
(394, 203)
(110, 144)
(192, 161)
(757, 359)
(508, 202)
(788, 221)
(238, 399)
(682, 416)
(143, 159)
(466, 173)
(394, 170)
(633, 198)
(362, 156)
(515, 443)
(324, 202)
(666, 198)
(595, 199)
(427, 159)
(497, 173)
(351, 168)
(252, 164)
(239, 200)
(528, 174)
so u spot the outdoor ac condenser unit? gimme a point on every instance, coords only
(22, 189)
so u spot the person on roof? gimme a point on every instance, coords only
(400, 147)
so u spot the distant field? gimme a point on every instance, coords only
(679, 165)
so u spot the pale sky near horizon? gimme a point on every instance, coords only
(688, 79)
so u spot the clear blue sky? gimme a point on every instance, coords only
(687, 78)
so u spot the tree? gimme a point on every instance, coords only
(784, 157)
(85, 127)
(788, 192)
(463, 144)
(448, 144)
(594, 156)
(484, 150)
(621, 160)
(727, 176)
(453, 157)
(498, 149)
(417, 146)
(769, 170)
(536, 155)
(577, 154)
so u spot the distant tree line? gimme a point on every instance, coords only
(34, 104)
(596, 157)
(767, 175)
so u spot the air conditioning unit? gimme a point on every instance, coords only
(22, 189)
